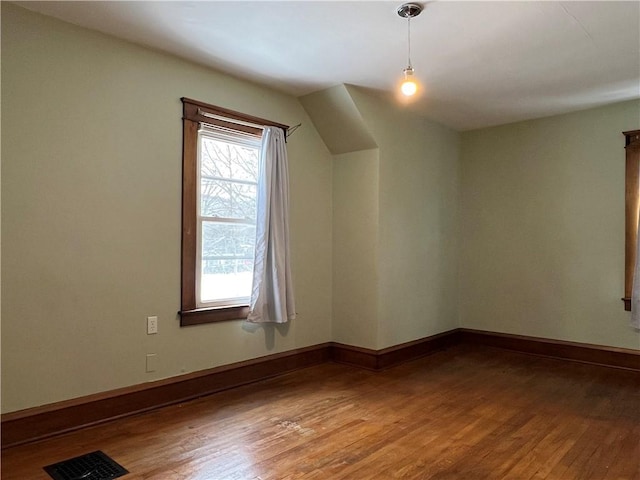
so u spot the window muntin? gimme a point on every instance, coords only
(227, 203)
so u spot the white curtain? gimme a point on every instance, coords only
(272, 293)
(635, 293)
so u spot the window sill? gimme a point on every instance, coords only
(199, 316)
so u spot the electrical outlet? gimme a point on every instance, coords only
(152, 325)
(151, 362)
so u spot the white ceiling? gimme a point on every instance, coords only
(480, 63)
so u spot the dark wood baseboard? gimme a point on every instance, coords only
(388, 357)
(42, 422)
(579, 352)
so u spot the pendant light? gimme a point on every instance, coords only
(409, 10)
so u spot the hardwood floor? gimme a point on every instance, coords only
(464, 413)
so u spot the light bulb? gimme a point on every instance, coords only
(409, 86)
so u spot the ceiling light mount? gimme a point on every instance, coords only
(410, 10)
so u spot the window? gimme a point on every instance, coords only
(632, 205)
(220, 164)
(226, 210)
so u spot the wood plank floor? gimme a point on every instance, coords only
(465, 413)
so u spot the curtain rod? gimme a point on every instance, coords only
(287, 131)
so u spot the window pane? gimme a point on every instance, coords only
(227, 199)
(226, 160)
(227, 279)
(227, 261)
(228, 240)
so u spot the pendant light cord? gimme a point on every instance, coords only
(409, 42)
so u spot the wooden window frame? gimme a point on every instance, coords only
(632, 204)
(193, 114)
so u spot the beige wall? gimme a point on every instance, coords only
(355, 248)
(542, 228)
(91, 160)
(418, 218)
(395, 213)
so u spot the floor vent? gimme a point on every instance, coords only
(92, 466)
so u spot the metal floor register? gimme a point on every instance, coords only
(92, 466)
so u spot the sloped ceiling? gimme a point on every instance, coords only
(338, 120)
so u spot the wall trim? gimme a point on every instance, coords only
(48, 420)
(388, 357)
(614, 357)
(37, 423)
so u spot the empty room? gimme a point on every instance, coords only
(320, 240)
